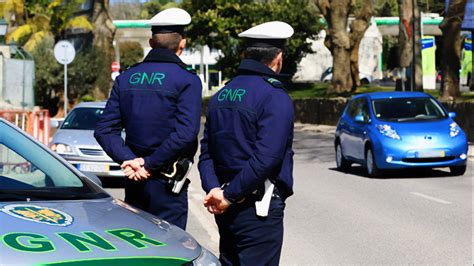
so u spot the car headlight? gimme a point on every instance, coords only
(388, 131)
(454, 129)
(61, 148)
(206, 259)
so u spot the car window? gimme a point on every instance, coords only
(25, 165)
(359, 106)
(352, 110)
(408, 109)
(19, 170)
(82, 118)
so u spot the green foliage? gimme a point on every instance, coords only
(88, 98)
(389, 8)
(151, 8)
(431, 6)
(217, 23)
(45, 17)
(386, 8)
(130, 53)
(48, 78)
(319, 90)
(83, 72)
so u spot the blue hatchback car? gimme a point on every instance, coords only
(394, 130)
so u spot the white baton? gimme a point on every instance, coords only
(263, 205)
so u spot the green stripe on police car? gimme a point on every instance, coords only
(85, 242)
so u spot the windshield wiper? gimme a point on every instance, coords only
(15, 197)
(48, 195)
(406, 119)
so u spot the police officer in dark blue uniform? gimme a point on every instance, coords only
(158, 103)
(246, 160)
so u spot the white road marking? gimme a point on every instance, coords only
(430, 198)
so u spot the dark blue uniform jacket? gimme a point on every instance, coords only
(158, 103)
(248, 135)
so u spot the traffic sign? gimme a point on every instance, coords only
(115, 66)
(64, 52)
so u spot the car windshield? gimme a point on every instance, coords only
(29, 172)
(407, 109)
(82, 118)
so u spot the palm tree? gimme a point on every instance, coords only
(32, 23)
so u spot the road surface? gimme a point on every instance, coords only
(347, 218)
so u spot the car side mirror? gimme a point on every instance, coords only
(359, 119)
(55, 123)
(452, 114)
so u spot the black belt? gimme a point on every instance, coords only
(257, 195)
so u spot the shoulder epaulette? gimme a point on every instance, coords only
(134, 65)
(189, 69)
(274, 82)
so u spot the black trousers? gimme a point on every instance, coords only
(246, 239)
(154, 196)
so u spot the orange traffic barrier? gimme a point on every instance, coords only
(36, 123)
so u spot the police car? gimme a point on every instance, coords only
(52, 214)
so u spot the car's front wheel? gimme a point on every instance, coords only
(370, 164)
(458, 170)
(341, 162)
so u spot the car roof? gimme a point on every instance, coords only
(393, 94)
(90, 105)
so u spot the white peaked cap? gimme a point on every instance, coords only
(269, 30)
(171, 17)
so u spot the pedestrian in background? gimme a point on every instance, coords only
(158, 103)
(246, 160)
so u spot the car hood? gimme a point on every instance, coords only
(75, 137)
(89, 232)
(427, 133)
(404, 129)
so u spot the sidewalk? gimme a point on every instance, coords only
(471, 152)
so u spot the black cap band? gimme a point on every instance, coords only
(278, 43)
(168, 29)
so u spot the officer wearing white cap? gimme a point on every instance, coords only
(246, 160)
(158, 103)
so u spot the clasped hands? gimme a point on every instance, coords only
(215, 202)
(134, 169)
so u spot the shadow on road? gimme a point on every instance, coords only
(399, 174)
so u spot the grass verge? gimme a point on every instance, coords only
(319, 90)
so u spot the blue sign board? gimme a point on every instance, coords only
(468, 22)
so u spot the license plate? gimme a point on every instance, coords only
(431, 154)
(97, 168)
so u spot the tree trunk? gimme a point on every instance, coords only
(405, 32)
(410, 23)
(341, 74)
(336, 13)
(418, 60)
(344, 46)
(104, 32)
(358, 28)
(451, 63)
